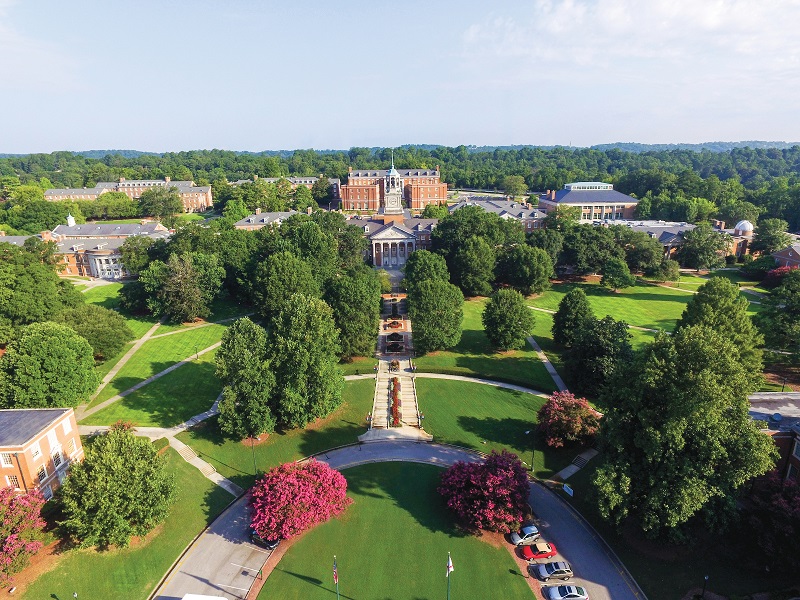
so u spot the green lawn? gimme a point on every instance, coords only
(168, 401)
(223, 308)
(132, 573)
(474, 357)
(234, 459)
(486, 418)
(108, 297)
(666, 572)
(397, 506)
(360, 365)
(156, 355)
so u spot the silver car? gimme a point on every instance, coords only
(566, 592)
(526, 536)
(554, 570)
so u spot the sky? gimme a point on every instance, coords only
(262, 75)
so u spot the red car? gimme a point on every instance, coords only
(539, 550)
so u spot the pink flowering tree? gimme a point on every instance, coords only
(491, 495)
(565, 419)
(21, 531)
(774, 277)
(294, 497)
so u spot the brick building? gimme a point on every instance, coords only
(195, 198)
(308, 182)
(596, 200)
(36, 448)
(367, 190)
(530, 217)
(788, 257)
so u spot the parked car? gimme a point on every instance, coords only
(259, 541)
(527, 535)
(565, 592)
(554, 570)
(539, 550)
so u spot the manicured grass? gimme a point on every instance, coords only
(156, 355)
(168, 401)
(474, 357)
(642, 305)
(392, 542)
(360, 365)
(486, 418)
(666, 571)
(132, 573)
(223, 308)
(108, 297)
(234, 459)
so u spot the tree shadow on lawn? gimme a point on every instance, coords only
(519, 370)
(344, 432)
(416, 495)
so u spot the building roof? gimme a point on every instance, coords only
(743, 226)
(793, 248)
(73, 191)
(573, 193)
(16, 240)
(89, 244)
(779, 410)
(666, 232)
(401, 172)
(503, 208)
(20, 425)
(265, 218)
(90, 230)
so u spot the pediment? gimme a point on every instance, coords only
(392, 232)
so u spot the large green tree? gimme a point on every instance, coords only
(355, 300)
(423, 265)
(507, 320)
(780, 319)
(677, 437)
(473, 267)
(245, 409)
(277, 278)
(573, 314)
(599, 348)
(121, 489)
(106, 330)
(525, 268)
(702, 248)
(161, 202)
(514, 185)
(48, 365)
(135, 253)
(616, 275)
(304, 351)
(771, 236)
(719, 306)
(436, 309)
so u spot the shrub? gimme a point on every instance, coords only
(491, 495)
(774, 518)
(565, 419)
(21, 528)
(757, 269)
(775, 277)
(293, 497)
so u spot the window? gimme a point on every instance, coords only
(796, 450)
(5, 459)
(791, 473)
(36, 451)
(47, 492)
(71, 446)
(57, 458)
(67, 427)
(41, 474)
(12, 481)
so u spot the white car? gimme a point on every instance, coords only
(526, 536)
(554, 570)
(566, 592)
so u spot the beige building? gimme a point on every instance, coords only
(596, 200)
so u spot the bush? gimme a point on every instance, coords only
(757, 269)
(774, 518)
(565, 419)
(775, 277)
(730, 260)
(491, 495)
(293, 497)
(21, 530)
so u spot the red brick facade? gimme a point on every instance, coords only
(364, 190)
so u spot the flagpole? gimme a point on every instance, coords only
(336, 576)
(448, 576)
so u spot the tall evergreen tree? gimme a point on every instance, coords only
(573, 313)
(507, 320)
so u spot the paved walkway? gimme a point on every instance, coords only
(548, 365)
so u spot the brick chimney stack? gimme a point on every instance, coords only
(167, 179)
(258, 211)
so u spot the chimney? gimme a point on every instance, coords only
(308, 210)
(167, 179)
(258, 211)
(121, 179)
(349, 169)
(2, 233)
(553, 195)
(255, 177)
(46, 236)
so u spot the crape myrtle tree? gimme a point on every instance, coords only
(245, 409)
(719, 306)
(123, 488)
(293, 497)
(565, 419)
(303, 351)
(525, 268)
(678, 441)
(507, 320)
(490, 495)
(573, 314)
(600, 346)
(104, 329)
(21, 530)
(355, 300)
(437, 309)
(47, 366)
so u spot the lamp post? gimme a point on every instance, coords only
(533, 450)
(705, 581)
(784, 384)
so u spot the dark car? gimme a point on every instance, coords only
(259, 541)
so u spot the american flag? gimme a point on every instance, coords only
(335, 574)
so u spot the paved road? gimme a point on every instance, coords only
(222, 563)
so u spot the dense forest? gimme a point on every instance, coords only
(742, 182)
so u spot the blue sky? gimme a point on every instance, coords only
(246, 75)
